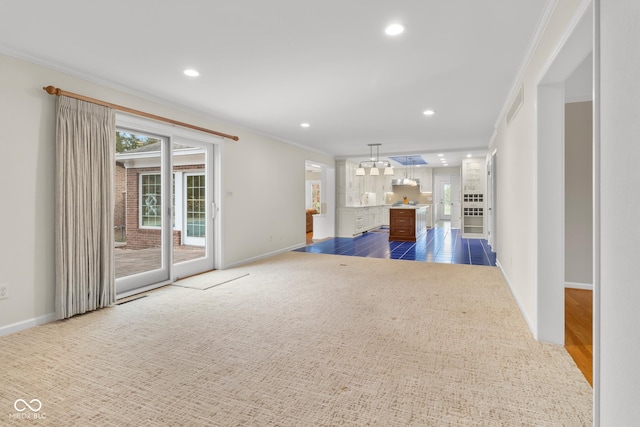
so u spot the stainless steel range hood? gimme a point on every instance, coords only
(406, 182)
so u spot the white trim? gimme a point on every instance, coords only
(162, 205)
(184, 232)
(573, 46)
(177, 204)
(526, 318)
(574, 285)
(581, 98)
(568, 37)
(26, 324)
(263, 256)
(549, 234)
(596, 320)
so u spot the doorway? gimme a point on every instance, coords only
(446, 196)
(164, 206)
(551, 98)
(443, 197)
(320, 201)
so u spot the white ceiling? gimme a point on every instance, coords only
(271, 65)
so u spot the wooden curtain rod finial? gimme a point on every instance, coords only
(52, 90)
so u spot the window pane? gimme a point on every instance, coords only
(151, 199)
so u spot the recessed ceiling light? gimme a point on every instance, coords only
(394, 30)
(440, 155)
(191, 72)
(428, 112)
(305, 125)
(445, 164)
(443, 160)
(468, 155)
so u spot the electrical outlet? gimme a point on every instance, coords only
(4, 291)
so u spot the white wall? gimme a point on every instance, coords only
(520, 229)
(579, 86)
(619, 280)
(262, 186)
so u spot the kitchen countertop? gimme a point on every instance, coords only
(388, 206)
(409, 206)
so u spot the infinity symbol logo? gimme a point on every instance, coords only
(37, 405)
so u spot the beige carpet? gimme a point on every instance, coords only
(303, 340)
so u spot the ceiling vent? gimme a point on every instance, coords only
(515, 106)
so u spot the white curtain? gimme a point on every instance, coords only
(85, 151)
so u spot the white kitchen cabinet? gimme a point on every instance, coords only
(386, 186)
(426, 179)
(473, 197)
(349, 187)
(385, 216)
(353, 221)
(429, 216)
(374, 217)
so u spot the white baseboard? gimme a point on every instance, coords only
(263, 256)
(26, 324)
(532, 328)
(573, 285)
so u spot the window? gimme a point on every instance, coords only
(150, 200)
(195, 209)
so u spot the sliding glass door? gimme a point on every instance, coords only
(142, 220)
(163, 209)
(193, 207)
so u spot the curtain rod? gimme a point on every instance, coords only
(51, 90)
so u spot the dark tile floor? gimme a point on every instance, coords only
(440, 244)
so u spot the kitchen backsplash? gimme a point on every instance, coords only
(412, 193)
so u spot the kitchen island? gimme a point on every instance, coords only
(407, 223)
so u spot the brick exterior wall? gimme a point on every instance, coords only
(142, 238)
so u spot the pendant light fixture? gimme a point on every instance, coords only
(375, 161)
(388, 170)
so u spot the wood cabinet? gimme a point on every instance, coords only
(407, 225)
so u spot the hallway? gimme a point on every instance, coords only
(441, 244)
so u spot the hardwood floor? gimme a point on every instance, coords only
(578, 335)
